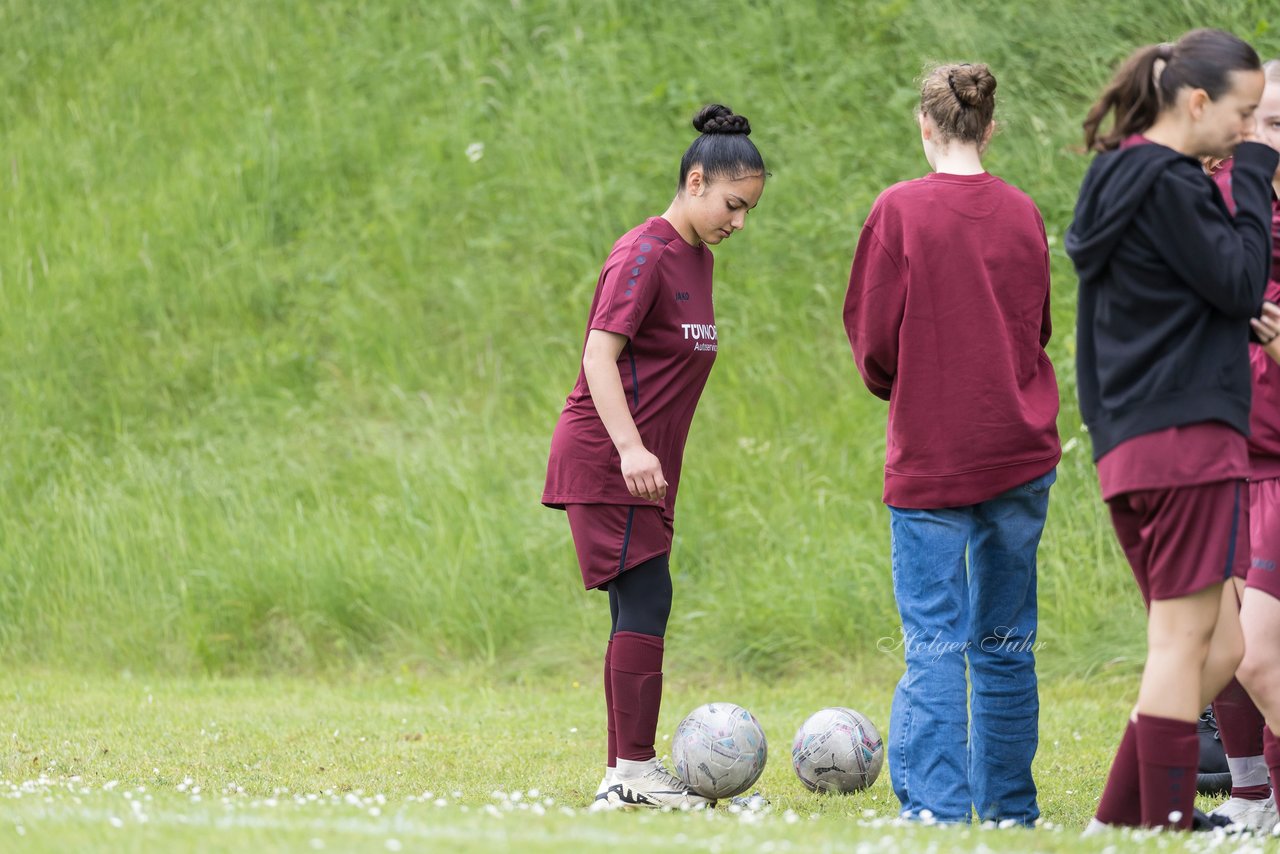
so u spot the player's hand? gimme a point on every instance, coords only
(643, 473)
(1267, 328)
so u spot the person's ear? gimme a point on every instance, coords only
(986, 137)
(694, 181)
(926, 127)
(1197, 102)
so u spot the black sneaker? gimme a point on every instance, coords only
(1214, 775)
(1208, 822)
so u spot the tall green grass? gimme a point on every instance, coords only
(281, 358)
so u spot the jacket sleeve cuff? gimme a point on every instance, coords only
(1256, 155)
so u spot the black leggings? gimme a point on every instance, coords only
(640, 599)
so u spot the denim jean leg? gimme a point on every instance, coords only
(928, 725)
(1005, 705)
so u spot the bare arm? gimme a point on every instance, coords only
(640, 469)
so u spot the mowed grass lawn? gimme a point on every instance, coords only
(469, 763)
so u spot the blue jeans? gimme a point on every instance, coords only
(942, 757)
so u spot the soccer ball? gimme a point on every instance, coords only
(837, 750)
(719, 750)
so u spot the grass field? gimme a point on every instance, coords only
(409, 762)
(291, 294)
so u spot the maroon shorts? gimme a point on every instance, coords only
(1264, 534)
(610, 538)
(1183, 539)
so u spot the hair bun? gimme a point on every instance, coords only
(717, 118)
(972, 84)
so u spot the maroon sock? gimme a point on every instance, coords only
(636, 672)
(1271, 752)
(1168, 755)
(1251, 793)
(1240, 726)
(1239, 721)
(608, 707)
(1121, 802)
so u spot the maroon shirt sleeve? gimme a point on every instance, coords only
(628, 287)
(873, 310)
(1046, 315)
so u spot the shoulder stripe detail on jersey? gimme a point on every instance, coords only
(626, 539)
(635, 263)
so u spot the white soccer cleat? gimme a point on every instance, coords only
(1254, 815)
(1094, 828)
(655, 789)
(601, 800)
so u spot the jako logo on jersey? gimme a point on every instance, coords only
(699, 331)
(682, 296)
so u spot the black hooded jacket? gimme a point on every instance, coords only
(1168, 282)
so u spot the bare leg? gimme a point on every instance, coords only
(1179, 635)
(1226, 647)
(1259, 672)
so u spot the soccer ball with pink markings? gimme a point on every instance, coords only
(837, 750)
(719, 750)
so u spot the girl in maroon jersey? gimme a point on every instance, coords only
(948, 315)
(1169, 281)
(619, 444)
(1250, 746)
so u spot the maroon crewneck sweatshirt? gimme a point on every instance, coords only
(948, 316)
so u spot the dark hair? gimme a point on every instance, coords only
(723, 148)
(961, 99)
(1150, 78)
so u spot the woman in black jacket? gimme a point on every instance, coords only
(1169, 281)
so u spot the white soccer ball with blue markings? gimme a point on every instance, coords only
(837, 750)
(719, 750)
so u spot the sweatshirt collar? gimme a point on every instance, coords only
(949, 178)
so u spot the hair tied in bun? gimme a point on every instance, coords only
(717, 118)
(722, 149)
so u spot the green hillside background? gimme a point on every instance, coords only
(291, 294)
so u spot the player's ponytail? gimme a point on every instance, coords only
(722, 149)
(1149, 80)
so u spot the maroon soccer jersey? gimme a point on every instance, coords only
(948, 314)
(656, 290)
(1264, 413)
(1190, 455)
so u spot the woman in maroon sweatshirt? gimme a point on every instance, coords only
(1169, 281)
(948, 315)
